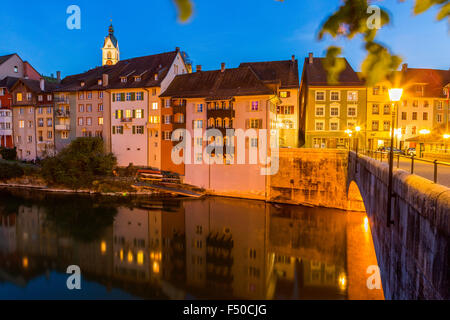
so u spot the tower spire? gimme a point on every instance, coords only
(110, 50)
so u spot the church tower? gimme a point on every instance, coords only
(110, 50)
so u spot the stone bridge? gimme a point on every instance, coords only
(414, 252)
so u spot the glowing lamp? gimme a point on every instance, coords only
(358, 129)
(395, 94)
(424, 131)
(446, 136)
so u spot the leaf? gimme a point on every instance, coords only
(184, 9)
(379, 64)
(445, 12)
(422, 6)
(334, 64)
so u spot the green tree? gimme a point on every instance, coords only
(350, 20)
(78, 165)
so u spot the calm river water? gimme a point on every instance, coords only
(180, 249)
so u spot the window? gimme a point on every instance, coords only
(2, 92)
(137, 79)
(40, 136)
(89, 121)
(89, 95)
(439, 118)
(285, 94)
(49, 135)
(167, 135)
(320, 125)
(154, 119)
(414, 115)
(30, 110)
(320, 95)
(426, 104)
(128, 114)
(100, 121)
(425, 116)
(40, 122)
(288, 124)
(40, 97)
(335, 96)
(118, 96)
(80, 121)
(198, 124)
(320, 111)
(49, 110)
(334, 125)
(255, 105)
(21, 124)
(387, 109)
(19, 139)
(81, 108)
(16, 69)
(139, 114)
(100, 94)
(139, 96)
(440, 105)
(167, 119)
(254, 142)
(375, 126)
(64, 135)
(376, 90)
(40, 110)
(128, 96)
(139, 129)
(351, 112)
(123, 79)
(19, 97)
(153, 92)
(81, 96)
(334, 111)
(404, 116)
(117, 129)
(218, 123)
(49, 122)
(414, 130)
(89, 108)
(254, 124)
(30, 139)
(415, 103)
(352, 96)
(100, 108)
(29, 96)
(199, 107)
(386, 125)
(155, 106)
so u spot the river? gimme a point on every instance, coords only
(214, 248)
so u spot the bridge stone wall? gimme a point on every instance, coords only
(414, 252)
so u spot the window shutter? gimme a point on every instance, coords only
(114, 129)
(117, 114)
(260, 125)
(113, 97)
(193, 124)
(134, 115)
(247, 124)
(142, 113)
(133, 96)
(122, 97)
(134, 129)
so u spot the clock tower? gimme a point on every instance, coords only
(110, 50)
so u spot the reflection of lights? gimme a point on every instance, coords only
(156, 267)
(103, 247)
(130, 257)
(121, 255)
(424, 131)
(366, 224)
(395, 94)
(25, 262)
(140, 258)
(152, 255)
(342, 281)
(446, 136)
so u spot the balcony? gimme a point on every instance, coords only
(62, 127)
(62, 100)
(62, 114)
(221, 113)
(5, 132)
(126, 120)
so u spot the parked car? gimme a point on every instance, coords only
(411, 152)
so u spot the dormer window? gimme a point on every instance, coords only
(156, 76)
(83, 83)
(137, 79)
(100, 82)
(16, 69)
(123, 79)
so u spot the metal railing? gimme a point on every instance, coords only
(381, 155)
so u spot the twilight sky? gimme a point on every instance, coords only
(230, 31)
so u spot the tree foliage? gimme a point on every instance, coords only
(78, 165)
(350, 20)
(8, 153)
(10, 171)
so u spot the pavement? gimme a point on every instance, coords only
(424, 169)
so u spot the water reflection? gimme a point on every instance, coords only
(214, 248)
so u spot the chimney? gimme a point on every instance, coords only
(223, 67)
(199, 68)
(404, 67)
(42, 84)
(311, 58)
(177, 49)
(105, 80)
(293, 58)
(58, 76)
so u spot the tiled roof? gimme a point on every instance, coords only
(8, 82)
(433, 80)
(146, 67)
(284, 72)
(34, 85)
(316, 75)
(217, 85)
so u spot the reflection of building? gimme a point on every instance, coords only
(226, 248)
(8, 233)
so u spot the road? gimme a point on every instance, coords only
(424, 169)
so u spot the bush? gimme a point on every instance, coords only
(78, 165)
(10, 171)
(8, 154)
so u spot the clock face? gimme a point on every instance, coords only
(109, 62)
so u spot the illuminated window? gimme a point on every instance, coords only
(21, 124)
(335, 96)
(140, 258)
(128, 114)
(155, 105)
(320, 95)
(285, 94)
(139, 114)
(320, 111)
(19, 97)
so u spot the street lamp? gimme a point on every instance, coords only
(446, 137)
(349, 133)
(395, 94)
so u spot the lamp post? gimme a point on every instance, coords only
(358, 130)
(395, 95)
(349, 133)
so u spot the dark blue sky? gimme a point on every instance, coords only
(230, 31)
